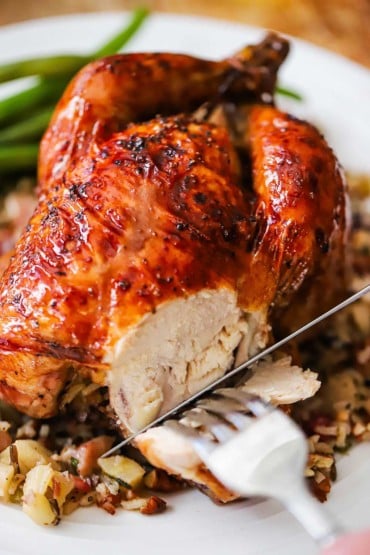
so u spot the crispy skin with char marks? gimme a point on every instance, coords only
(156, 215)
(108, 94)
(146, 266)
(306, 220)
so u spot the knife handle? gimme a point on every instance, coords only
(357, 543)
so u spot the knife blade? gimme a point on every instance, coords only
(242, 367)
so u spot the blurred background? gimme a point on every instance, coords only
(340, 25)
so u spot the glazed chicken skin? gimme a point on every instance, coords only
(85, 245)
(156, 216)
(114, 91)
(148, 262)
(306, 220)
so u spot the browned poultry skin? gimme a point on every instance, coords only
(122, 221)
(155, 211)
(154, 214)
(112, 92)
(305, 222)
(108, 94)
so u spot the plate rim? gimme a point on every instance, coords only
(253, 29)
(335, 56)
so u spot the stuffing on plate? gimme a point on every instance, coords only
(162, 251)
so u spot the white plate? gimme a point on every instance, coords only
(336, 96)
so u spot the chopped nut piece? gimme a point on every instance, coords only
(320, 490)
(358, 429)
(309, 472)
(319, 477)
(5, 440)
(108, 502)
(4, 425)
(344, 430)
(312, 442)
(326, 430)
(153, 506)
(135, 504)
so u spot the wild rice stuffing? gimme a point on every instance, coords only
(339, 414)
(54, 467)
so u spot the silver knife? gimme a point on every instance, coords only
(243, 366)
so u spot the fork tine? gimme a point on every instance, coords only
(220, 406)
(255, 404)
(221, 431)
(203, 445)
(238, 420)
(229, 409)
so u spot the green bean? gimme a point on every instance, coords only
(50, 86)
(121, 39)
(54, 72)
(15, 106)
(50, 66)
(288, 92)
(28, 128)
(45, 67)
(18, 157)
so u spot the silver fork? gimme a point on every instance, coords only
(254, 448)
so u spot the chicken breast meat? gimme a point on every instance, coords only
(279, 382)
(153, 256)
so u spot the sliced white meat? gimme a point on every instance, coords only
(174, 352)
(282, 383)
(279, 382)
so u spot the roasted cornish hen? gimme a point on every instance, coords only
(154, 255)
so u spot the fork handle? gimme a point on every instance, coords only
(317, 521)
(323, 527)
(350, 544)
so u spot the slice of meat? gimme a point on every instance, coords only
(282, 383)
(279, 382)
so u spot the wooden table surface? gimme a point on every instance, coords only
(340, 25)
